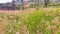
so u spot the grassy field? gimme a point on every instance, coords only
(42, 21)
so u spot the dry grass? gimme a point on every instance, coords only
(25, 12)
(21, 12)
(17, 11)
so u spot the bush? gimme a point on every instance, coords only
(37, 23)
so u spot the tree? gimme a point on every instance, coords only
(22, 4)
(13, 3)
(37, 4)
(46, 2)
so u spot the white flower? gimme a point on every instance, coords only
(11, 17)
(17, 32)
(0, 18)
(19, 22)
(14, 20)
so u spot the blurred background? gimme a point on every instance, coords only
(24, 4)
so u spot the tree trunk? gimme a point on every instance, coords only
(13, 3)
(46, 3)
(22, 4)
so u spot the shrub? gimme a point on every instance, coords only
(37, 22)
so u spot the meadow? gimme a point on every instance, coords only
(42, 21)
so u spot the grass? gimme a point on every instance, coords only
(44, 21)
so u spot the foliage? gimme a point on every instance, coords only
(42, 21)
